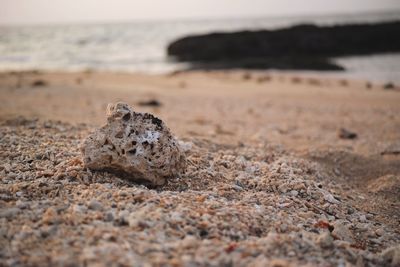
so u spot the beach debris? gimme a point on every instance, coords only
(246, 76)
(39, 83)
(264, 78)
(136, 145)
(393, 149)
(388, 86)
(344, 82)
(325, 240)
(220, 130)
(296, 80)
(324, 225)
(151, 103)
(22, 121)
(342, 232)
(314, 81)
(392, 255)
(346, 134)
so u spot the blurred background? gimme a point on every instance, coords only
(132, 36)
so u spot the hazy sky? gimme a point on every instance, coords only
(66, 11)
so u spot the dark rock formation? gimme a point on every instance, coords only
(298, 47)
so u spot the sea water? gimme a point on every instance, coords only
(141, 46)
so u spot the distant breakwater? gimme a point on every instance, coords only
(302, 47)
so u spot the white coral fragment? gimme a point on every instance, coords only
(137, 145)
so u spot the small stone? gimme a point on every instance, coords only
(39, 83)
(283, 188)
(325, 240)
(246, 76)
(176, 217)
(136, 222)
(363, 218)
(283, 227)
(9, 213)
(342, 232)
(279, 263)
(237, 187)
(379, 232)
(346, 134)
(137, 145)
(22, 205)
(109, 237)
(294, 193)
(11, 175)
(50, 216)
(330, 198)
(123, 217)
(95, 205)
(151, 103)
(7, 167)
(392, 255)
(189, 241)
(47, 124)
(79, 208)
(109, 217)
(350, 210)
(388, 86)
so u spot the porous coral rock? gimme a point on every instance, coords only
(137, 145)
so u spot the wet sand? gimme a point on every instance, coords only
(270, 182)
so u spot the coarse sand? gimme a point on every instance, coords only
(271, 179)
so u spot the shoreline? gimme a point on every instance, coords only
(350, 72)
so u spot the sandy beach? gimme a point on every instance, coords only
(272, 179)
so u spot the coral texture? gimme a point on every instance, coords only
(136, 145)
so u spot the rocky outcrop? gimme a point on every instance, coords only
(136, 145)
(298, 47)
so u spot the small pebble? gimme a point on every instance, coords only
(379, 232)
(95, 205)
(9, 213)
(325, 240)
